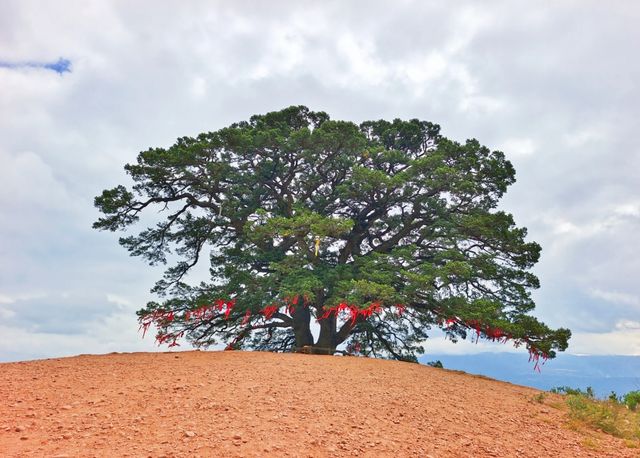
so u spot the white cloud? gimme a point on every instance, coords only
(199, 87)
(581, 229)
(618, 342)
(518, 146)
(361, 60)
(555, 89)
(631, 209)
(6, 313)
(11, 299)
(441, 345)
(28, 184)
(424, 69)
(616, 297)
(589, 136)
(468, 22)
(114, 333)
(628, 324)
(624, 339)
(121, 302)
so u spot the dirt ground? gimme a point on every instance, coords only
(244, 404)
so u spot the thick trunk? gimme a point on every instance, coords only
(301, 319)
(327, 343)
(330, 337)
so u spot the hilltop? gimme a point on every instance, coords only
(183, 404)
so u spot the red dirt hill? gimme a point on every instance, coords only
(219, 404)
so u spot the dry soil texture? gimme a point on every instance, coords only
(219, 404)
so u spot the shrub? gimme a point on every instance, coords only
(539, 398)
(610, 416)
(631, 399)
(588, 393)
(599, 414)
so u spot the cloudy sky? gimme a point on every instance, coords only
(85, 86)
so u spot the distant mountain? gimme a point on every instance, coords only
(603, 373)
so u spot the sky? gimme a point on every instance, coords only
(85, 86)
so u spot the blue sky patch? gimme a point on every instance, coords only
(60, 66)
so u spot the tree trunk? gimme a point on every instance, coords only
(301, 319)
(326, 344)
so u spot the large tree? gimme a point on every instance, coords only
(377, 232)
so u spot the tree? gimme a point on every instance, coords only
(379, 232)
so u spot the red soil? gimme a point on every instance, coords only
(219, 404)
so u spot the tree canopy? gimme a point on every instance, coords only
(377, 232)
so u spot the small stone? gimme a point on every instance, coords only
(189, 433)
(66, 436)
(19, 429)
(66, 407)
(23, 438)
(237, 436)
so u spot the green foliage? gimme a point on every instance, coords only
(294, 204)
(437, 363)
(631, 399)
(598, 414)
(607, 416)
(616, 415)
(588, 393)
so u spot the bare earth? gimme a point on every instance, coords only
(219, 404)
